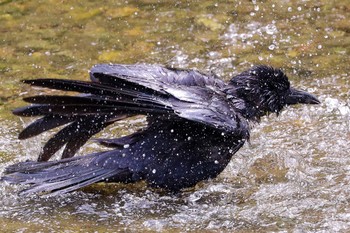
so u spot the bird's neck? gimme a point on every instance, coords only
(248, 109)
(253, 113)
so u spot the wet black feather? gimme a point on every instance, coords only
(196, 122)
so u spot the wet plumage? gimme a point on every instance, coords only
(195, 124)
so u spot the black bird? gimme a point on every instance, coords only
(196, 122)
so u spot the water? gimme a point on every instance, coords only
(293, 176)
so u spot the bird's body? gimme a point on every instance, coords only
(196, 122)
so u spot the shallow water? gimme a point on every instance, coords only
(293, 176)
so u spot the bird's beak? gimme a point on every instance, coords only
(300, 97)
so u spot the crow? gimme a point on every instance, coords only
(195, 123)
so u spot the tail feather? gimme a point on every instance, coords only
(31, 166)
(65, 186)
(61, 176)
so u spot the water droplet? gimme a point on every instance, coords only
(272, 47)
(271, 29)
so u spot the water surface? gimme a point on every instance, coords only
(293, 176)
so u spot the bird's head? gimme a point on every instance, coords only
(265, 89)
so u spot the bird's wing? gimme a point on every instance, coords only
(191, 94)
(120, 91)
(154, 77)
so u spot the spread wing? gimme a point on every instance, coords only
(189, 93)
(120, 91)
